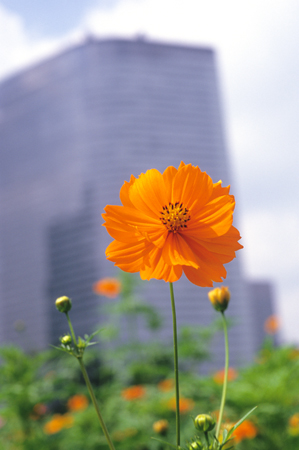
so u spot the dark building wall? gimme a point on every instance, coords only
(91, 117)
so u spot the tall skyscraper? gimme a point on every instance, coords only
(72, 129)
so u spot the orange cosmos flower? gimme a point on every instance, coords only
(171, 223)
(247, 430)
(294, 425)
(39, 410)
(161, 426)
(58, 422)
(109, 287)
(166, 385)
(77, 403)
(218, 377)
(185, 404)
(271, 325)
(133, 393)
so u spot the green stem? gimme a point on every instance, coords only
(71, 328)
(89, 386)
(95, 404)
(207, 438)
(176, 367)
(225, 375)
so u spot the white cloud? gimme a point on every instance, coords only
(271, 244)
(19, 48)
(271, 248)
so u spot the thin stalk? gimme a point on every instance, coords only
(95, 404)
(71, 328)
(89, 386)
(207, 438)
(176, 366)
(224, 389)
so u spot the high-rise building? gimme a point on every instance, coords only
(72, 129)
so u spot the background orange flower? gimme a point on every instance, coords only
(294, 425)
(247, 430)
(218, 377)
(185, 404)
(58, 422)
(166, 385)
(77, 403)
(170, 223)
(109, 287)
(133, 392)
(271, 325)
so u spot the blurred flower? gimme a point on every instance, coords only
(78, 402)
(133, 392)
(109, 287)
(294, 354)
(247, 430)
(271, 325)
(58, 422)
(161, 427)
(166, 385)
(39, 410)
(185, 404)
(218, 377)
(170, 223)
(219, 297)
(121, 435)
(294, 425)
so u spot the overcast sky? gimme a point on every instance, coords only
(257, 44)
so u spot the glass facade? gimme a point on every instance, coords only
(72, 129)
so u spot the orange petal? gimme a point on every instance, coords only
(148, 193)
(196, 276)
(157, 268)
(217, 214)
(129, 224)
(176, 251)
(219, 191)
(129, 257)
(168, 176)
(192, 187)
(124, 192)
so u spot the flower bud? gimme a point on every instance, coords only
(81, 343)
(196, 445)
(161, 427)
(65, 340)
(219, 297)
(204, 422)
(63, 304)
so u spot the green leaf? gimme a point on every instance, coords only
(240, 421)
(88, 338)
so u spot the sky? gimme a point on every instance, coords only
(257, 45)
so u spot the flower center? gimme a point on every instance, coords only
(174, 216)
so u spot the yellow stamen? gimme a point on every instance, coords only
(175, 216)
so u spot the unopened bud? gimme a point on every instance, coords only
(161, 427)
(204, 422)
(63, 304)
(219, 297)
(81, 343)
(65, 340)
(196, 445)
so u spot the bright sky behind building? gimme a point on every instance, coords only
(257, 44)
